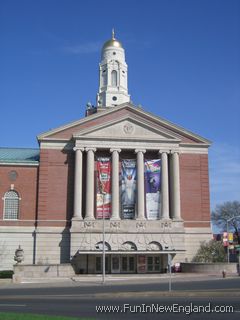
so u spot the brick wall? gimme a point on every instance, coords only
(56, 178)
(26, 186)
(194, 184)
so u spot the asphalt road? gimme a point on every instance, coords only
(135, 301)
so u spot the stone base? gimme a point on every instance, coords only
(51, 271)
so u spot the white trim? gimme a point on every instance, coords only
(194, 150)
(23, 164)
(147, 252)
(100, 143)
(55, 145)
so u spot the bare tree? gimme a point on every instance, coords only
(228, 213)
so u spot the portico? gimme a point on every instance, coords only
(171, 156)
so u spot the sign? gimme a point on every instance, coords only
(230, 237)
(237, 247)
(103, 188)
(153, 188)
(225, 239)
(128, 188)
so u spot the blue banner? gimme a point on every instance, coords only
(128, 188)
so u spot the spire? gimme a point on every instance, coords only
(113, 34)
(113, 89)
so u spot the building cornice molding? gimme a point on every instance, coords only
(22, 164)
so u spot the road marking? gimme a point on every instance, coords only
(12, 305)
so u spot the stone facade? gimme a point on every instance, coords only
(56, 219)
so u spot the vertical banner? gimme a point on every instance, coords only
(103, 188)
(153, 188)
(128, 188)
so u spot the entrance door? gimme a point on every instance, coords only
(128, 264)
(153, 264)
(98, 264)
(115, 264)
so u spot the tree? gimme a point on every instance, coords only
(211, 251)
(228, 211)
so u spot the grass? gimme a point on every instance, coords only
(28, 316)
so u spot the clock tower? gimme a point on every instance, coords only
(113, 73)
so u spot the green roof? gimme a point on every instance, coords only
(19, 155)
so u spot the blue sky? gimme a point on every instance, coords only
(183, 58)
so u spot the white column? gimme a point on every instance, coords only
(77, 214)
(164, 186)
(140, 185)
(90, 184)
(115, 184)
(175, 188)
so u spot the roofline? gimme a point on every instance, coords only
(140, 110)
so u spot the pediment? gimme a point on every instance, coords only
(126, 129)
(124, 122)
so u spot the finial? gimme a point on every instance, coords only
(113, 34)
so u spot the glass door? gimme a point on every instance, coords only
(115, 264)
(98, 264)
(153, 264)
(128, 264)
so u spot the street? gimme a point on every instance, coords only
(145, 300)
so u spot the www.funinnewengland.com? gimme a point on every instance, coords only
(157, 308)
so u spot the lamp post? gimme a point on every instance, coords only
(170, 271)
(103, 248)
(228, 220)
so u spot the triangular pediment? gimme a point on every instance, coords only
(123, 122)
(125, 128)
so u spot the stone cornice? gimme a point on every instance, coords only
(22, 164)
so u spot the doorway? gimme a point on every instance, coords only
(128, 264)
(98, 264)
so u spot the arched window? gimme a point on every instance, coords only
(114, 78)
(11, 205)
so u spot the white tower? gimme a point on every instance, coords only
(113, 87)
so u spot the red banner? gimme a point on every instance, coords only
(103, 188)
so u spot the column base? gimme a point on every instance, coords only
(165, 218)
(89, 219)
(177, 219)
(115, 219)
(77, 219)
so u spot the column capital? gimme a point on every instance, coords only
(140, 150)
(115, 149)
(175, 150)
(167, 151)
(78, 148)
(90, 149)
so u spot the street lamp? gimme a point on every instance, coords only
(169, 264)
(103, 248)
(170, 271)
(228, 220)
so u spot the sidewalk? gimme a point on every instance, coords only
(115, 279)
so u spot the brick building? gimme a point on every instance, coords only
(142, 178)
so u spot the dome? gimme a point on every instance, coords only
(112, 42)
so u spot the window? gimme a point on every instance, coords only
(114, 78)
(11, 205)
